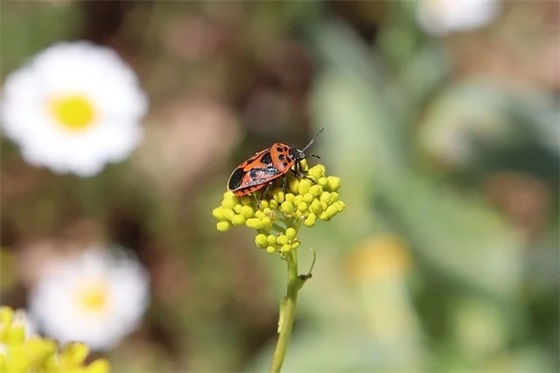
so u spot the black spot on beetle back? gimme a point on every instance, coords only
(236, 178)
(266, 158)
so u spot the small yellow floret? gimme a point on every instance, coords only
(238, 220)
(287, 207)
(282, 239)
(286, 248)
(261, 240)
(325, 197)
(223, 226)
(293, 184)
(291, 233)
(246, 211)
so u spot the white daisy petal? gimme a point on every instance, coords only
(441, 17)
(97, 298)
(73, 108)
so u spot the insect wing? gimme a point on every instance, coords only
(253, 174)
(256, 179)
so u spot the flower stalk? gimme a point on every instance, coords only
(288, 309)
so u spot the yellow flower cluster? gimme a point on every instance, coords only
(278, 216)
(21, 354)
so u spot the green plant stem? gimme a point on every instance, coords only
(287, 312)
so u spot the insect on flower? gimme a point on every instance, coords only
(262, 169)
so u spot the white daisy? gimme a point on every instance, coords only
(73, 108)
(97, 297)
(440, 17)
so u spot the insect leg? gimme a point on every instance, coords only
(284, 183)
(264, 193)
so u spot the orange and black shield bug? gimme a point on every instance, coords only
(264, 167)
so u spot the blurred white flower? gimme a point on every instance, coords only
(97, 297)
(73, 108)
(440, 17)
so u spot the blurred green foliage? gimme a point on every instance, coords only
(447, 255)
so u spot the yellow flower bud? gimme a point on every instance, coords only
(223, 226)
(315, 190)
(308, 197)
(317, 171)
(238, 220)
(287, 207)
(304, 186)
(282, 239)
(333, 183)
(229, 203)
(255, 223)
(325, 197)
(334, 197)
(332, 211)
(289, 197)
(228, 195)
(286, 248)
(261, 240)
(270, 249)
(218, 213)
(246, 211)
(228, 214)
(271, 239)
(267, 222)
(302, 206)
(316, 207)
(295, 245)
(291, 233)
(293, 184)
(310, 220)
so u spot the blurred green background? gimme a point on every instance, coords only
(446, 257)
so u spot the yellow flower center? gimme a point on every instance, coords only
(74, 112)
(94, 297)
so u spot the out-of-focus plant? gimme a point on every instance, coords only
(23, 353)
(97, 297)
(73, 108)
(277, 218)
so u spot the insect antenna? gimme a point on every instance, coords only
(313, 139)
(312, 155)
